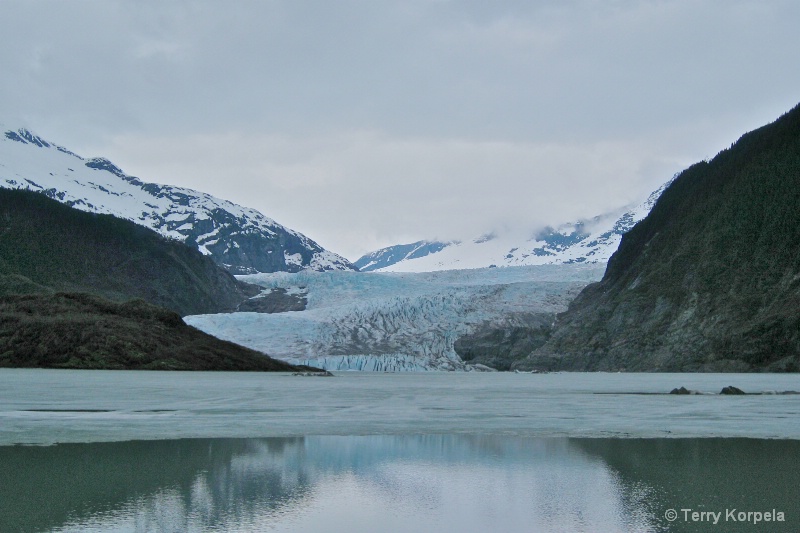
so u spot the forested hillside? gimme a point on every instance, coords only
(709, 280)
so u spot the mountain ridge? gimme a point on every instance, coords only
(586, 241)
(240, 239)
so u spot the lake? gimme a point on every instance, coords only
(160, 451)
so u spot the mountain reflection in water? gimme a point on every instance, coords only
(393, 483)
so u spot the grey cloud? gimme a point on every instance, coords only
(430, 101)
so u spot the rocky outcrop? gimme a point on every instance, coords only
(277, 300)
(708, 281)
(731, 390)
(498, 345)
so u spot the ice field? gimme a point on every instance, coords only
(395, 321)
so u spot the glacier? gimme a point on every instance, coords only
(394, 322)
(240, 239)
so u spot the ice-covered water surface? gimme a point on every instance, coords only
(393, 321)
(49, 406)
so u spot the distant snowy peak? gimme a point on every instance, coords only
(238, 238)
(587, 241)
(386, 257)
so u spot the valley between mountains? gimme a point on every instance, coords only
(704, 275)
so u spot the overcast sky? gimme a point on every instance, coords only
(365, 123)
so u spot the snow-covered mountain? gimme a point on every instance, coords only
(587, 241)
(395, 321)
(240, 239)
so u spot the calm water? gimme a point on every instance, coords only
(151, 451)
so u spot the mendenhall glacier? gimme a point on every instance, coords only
(396, 321)
(240, 239)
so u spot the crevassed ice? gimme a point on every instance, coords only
(394, 322)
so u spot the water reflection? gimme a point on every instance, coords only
(708, 475)
(392, 483)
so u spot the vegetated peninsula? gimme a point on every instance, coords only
(82, 331)
(82, 290)
(708, 281)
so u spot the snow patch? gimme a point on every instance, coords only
(293, 259)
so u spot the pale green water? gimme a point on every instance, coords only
(397, 483)
(153, 451)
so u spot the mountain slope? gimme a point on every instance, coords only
(46, 246)
(587, 241)
(709, 281)
(240, 239)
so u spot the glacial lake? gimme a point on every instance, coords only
(167, 451)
